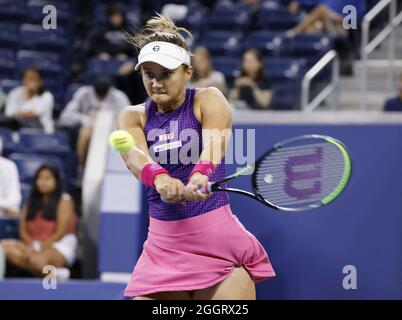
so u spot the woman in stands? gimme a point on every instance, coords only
(196, 247)
(29, 105)
(47, 227)
(203, 73)
(252, 85)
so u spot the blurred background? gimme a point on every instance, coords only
(320, 66)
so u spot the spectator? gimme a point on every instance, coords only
(327, 17)
(110, 41)
(252, 85)
(395, 104)
(47, 227)
(29, 105)
(80, 112)
(2, 100)
(203, 73)
(10, 189)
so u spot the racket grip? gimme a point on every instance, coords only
(202, 189)
(207, 189)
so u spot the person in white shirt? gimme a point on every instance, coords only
(30, 105)
(10, 190)
(85, 104)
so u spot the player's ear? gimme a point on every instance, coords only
(188, 72)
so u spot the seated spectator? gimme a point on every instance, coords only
(395, 104)
(252, 85)
(10, 189)
(203, 73)
(29, 105)
(327, 17)
(81, 111)
(47, 227)
(110, 41)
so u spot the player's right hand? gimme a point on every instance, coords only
(171, 189)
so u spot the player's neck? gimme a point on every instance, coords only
(174, 105)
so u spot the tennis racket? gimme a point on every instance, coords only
(297, 174)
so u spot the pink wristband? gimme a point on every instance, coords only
(204, 167)
(149, 172)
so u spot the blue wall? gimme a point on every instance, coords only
(362, 227)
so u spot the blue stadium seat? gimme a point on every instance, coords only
(7, 67)
(96, 66)
(9, 228)
(8, 84)
(285, 70)
(28, 164)
(13, 10)
(47, 62)
(133, 14)
(25, 190)
(34, 37)
(223, 43)
(56, 144)
(9, 35)
(229, 21)
(266, 42)
(309, 46)
(230, 67)
(7, 139)
(278, 19)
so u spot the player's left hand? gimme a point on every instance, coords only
(192, 191)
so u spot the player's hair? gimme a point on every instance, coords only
(160, 28)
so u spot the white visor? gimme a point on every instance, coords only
(166, 54)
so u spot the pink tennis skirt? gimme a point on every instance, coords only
(196, 253)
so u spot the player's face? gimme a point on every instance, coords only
(164, 86)
(46, 183)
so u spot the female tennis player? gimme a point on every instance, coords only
(196, 247)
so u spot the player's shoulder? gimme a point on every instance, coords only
(135, 114)
(207, 93)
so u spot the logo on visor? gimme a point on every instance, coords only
(156, 48)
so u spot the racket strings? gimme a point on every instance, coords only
(296, 176)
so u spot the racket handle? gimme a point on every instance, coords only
(202, 189)
(207, 189)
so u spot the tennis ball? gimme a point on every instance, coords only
(121, 141)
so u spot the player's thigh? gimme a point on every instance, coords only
(238, 286)
(167, 295)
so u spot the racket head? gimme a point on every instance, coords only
(302, 173)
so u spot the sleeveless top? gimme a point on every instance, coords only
(174, 140)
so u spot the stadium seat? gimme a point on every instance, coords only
(230, 67)
(9, 35)
(13, 10)
(35, 11)
(28, 164)
(9, 228)
(96, 66)
(8, 84)
(25, 190)
(266, 42)
(33, 37)
(282, 70)
(223, 43)
(278, 19)
(8, 142)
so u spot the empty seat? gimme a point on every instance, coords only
(223, 43)
(12, 10)
(28, 164)
(8, 84)
(9, 35)
(230, 67)
(276, 19)
(267, 42)
(7, 140)
(34, 37)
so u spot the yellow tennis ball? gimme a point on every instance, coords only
(121, 141)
